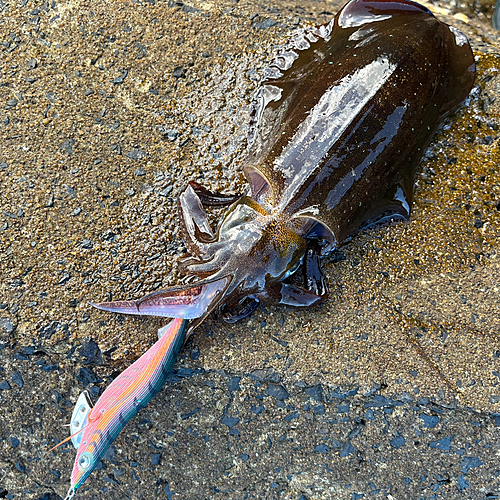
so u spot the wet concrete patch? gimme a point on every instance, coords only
(206, 437)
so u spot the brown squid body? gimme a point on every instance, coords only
(338, 129)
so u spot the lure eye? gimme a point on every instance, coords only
(85, 460)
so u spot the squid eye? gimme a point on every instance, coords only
(85, 460)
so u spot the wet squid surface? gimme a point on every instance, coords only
(338, 129)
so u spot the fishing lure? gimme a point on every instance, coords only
(95, 428)
(338, 129)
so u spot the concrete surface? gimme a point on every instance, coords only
(388, 390)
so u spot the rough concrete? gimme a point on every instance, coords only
(388, 390)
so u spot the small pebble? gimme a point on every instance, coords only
(443, 444)
(397, 442)
(267, 23)
(347, 450)
(469, 463)
(87, 244)
(322, 448)
(315, 393)
(277, 391)
(234, 384)
(7, 325)
(120, 79)
(136, 154)
(171, 135)
(257, 409)
(20, 468)
(230, 421)
(166, 191)
(67, 146)
(17, 378)
(430, 421)
(178, 73)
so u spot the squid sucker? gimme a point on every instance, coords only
(338, 129)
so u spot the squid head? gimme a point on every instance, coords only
(244, 262)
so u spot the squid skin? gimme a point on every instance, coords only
(338, 130)
(131, 391)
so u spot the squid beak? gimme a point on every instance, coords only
(186, 302)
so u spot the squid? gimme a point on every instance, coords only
(338, 129)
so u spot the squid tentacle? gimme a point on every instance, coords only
(212, 198)
(194, 222)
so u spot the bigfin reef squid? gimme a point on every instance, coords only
(338, 129)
